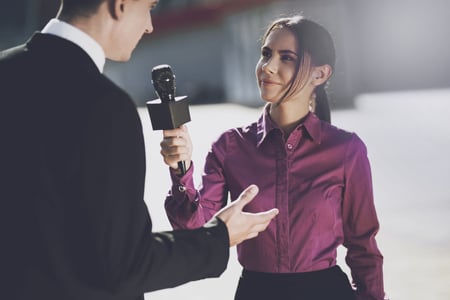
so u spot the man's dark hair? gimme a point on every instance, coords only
(73, 8)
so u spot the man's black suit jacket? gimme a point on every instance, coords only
(73, 221)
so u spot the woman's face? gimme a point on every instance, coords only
(277, 66)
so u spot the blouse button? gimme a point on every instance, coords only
(289, 146)
(182, 188)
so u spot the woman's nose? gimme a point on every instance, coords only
(269, 66)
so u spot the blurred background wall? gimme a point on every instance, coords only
(213, 45)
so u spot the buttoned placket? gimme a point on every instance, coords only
(284, 152)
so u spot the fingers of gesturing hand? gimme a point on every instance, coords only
(244, 225)
(246, 196)
(260, 221)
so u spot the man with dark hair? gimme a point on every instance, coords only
(73, 222)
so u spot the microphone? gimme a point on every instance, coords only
(163, 81)
(168, 111)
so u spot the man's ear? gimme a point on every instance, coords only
(116, 8)
(321, 74)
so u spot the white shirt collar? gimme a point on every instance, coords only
(75, 35)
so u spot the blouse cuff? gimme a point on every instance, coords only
(183, 183)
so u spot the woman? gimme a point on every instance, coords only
(317, 175)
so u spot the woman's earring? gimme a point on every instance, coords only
(312, 103)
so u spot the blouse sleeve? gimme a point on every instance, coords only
(361, 224)
(188, 207)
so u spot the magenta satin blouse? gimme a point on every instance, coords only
(320, 180)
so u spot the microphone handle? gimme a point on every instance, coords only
(182, 167)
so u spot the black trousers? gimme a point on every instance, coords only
(328, 284)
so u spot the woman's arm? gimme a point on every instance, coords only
(361, 224)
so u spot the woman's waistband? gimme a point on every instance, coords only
(329, 272)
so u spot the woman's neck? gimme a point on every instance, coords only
(287, 115)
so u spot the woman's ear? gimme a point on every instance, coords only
(321, 74)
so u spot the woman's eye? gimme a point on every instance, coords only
(265, 53)
(287, 58)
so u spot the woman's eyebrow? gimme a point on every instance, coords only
(288, 52)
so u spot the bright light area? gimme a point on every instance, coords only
(408, 139)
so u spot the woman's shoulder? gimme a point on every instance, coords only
(240, 131)
(237, 135)
(337, 134)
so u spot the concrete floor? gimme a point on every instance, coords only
(408, 138)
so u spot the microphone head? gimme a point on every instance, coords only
(163, 81)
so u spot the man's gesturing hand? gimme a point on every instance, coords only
(243, 225)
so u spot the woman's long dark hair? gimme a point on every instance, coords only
(316, 48)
